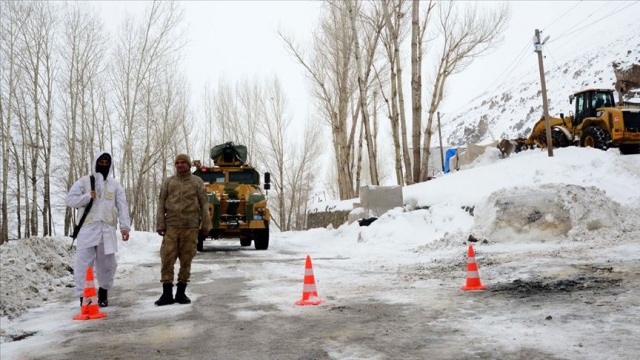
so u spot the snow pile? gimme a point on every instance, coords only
(550, 212)
(33, 271)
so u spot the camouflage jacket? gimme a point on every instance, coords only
(183, 203)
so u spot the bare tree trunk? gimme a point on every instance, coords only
(9, 23)
(416, 87)
(417, 36)
(403, 120)
(49, 72)
(363, 82)
(391, 43)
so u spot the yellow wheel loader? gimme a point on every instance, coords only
(595, 122)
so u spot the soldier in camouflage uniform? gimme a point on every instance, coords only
(182, 212)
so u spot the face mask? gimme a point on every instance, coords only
(104, 170)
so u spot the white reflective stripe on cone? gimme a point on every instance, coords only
(472, 275)
(309, 288)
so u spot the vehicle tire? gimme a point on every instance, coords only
(245, 242)
(595, 137)
(559, 139)
(542, 139)
(261, 239)
(200, 246)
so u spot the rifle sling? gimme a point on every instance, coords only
(76, 230)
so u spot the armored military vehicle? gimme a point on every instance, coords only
(237, 204)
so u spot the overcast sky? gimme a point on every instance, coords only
(238, 39)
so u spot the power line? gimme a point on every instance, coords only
(521, 55)
(561, 16)
(519, 58)
(562, 73)
(613, 12)
(504, 76)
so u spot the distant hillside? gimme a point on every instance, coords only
(512, 108)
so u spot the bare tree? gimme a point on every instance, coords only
(302, 174)
(417, 41)
(34, 105)
(331, 74)
(292, 162)
(10, 21)
(274, 135)
(207, 138)
(82, 56)
(466, 35)
(145, 55)
(371, 30)
(235, 114)
(226, 112)
(393, 12)
(250, 101)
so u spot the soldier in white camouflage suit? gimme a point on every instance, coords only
(97, 241)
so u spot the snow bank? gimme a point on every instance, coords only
(550, 212)
(33, 270)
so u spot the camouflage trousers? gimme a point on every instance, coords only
(180, 244)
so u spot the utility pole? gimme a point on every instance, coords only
(538, 48)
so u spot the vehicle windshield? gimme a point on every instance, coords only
(212, 177)
(245, 177)
(602, 99)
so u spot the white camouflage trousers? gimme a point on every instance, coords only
(105, 267)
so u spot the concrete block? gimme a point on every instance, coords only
(376, 200)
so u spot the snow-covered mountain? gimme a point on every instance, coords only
(510, 109)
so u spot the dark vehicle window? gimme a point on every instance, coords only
(212, 177)
(245, 177)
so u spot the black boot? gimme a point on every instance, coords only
(181, 298)
(102, 298)
(167, 295)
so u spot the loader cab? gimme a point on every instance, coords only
(588, 101)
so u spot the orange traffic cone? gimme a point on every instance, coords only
(89, 309)
(309, 293)
(473, 279)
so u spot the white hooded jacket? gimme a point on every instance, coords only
(109, 208)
